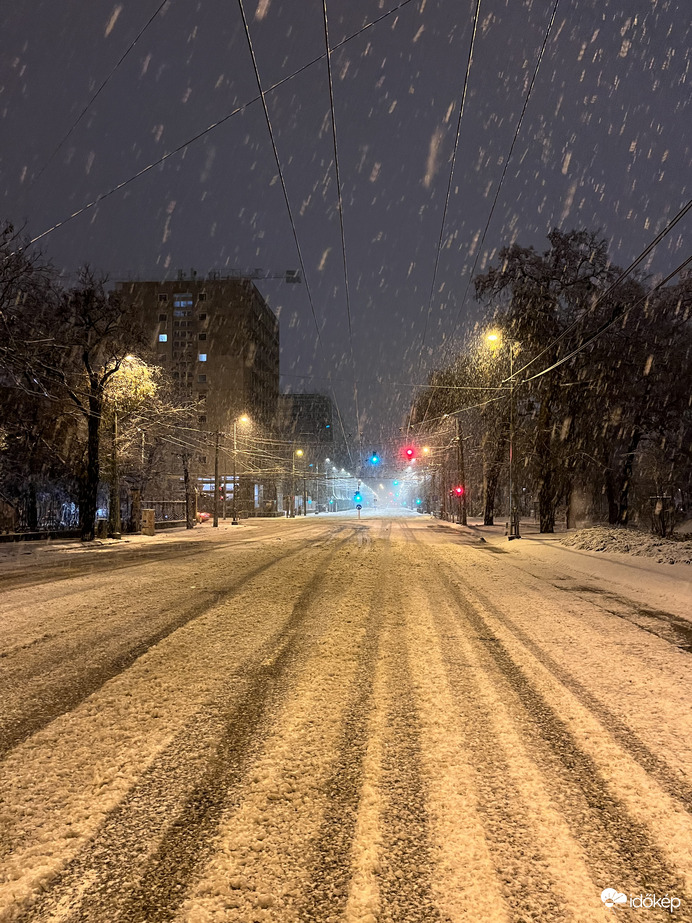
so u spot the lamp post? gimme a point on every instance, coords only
(243, 419)
(299, 453)
(495, 339)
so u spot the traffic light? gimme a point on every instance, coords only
(410, 453)
(459, 491)
(374, 459)
(357, 497)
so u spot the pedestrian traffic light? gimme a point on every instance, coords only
(357, 497)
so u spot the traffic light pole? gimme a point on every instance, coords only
(216, 483)
(461, 474)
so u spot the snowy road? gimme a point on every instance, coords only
(326, 719)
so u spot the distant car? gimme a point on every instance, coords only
(203, 517)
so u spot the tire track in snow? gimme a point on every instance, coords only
(404, 883)
(117, 878)
(626, 737)
(330, 876)
(521, 868)
(64, 699)
(380, 751)
(618, 848)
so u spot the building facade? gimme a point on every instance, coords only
(219, 341)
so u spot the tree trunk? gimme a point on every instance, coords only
(569, 523)
(190, 505)
(87, 514)
(491, 482)
(626, 478)
(612, 500)
(31, 508)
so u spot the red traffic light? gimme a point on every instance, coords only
(459, 491)
(410, 453)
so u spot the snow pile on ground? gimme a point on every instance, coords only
(627, 541)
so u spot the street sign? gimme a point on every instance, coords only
(359, 507)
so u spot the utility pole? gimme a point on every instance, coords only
(216, 483)
(114, 525)
(513, 511)
(234, 521)
(461, 473)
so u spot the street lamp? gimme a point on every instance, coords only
(299, 453)
(242, 419)
(494, 340)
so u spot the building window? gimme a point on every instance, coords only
(203, 459)
(163, 338)
(203, 317)
(202, 419)
(202, 296)
(202, 336)
(176, 374)
(163, 317)
(201, 379)
(202, 357)
(163, 296)
(183, 300)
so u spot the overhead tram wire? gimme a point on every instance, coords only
(100, 89)
(206, 131)
(451, 170)
(505, 166)
(449, 187)
(281, 176)
(623, 275)
(607, 325)
(341, 226)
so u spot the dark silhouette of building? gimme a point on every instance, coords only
(219, 341)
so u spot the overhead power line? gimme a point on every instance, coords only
(100, 89)
(341, 226)
(617, 315)
(451, 168)
(496, 197)
(449, 186)
(623, 275)
(206, 131)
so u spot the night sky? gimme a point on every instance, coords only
(605, 143)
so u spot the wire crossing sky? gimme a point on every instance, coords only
(149, 155)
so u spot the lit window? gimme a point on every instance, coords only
(202, 357)
(163, 338)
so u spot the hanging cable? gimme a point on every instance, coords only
(451, 170)
(100, 89)
(449, 187)
(617, 315)
(201, 134)
(548, 30)
(623, 275)
(341, 226)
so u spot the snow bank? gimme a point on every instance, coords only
(627, 541)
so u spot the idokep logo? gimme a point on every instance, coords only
(611, 897)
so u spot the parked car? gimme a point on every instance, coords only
(203, 517)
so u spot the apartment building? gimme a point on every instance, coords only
(219, 341)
